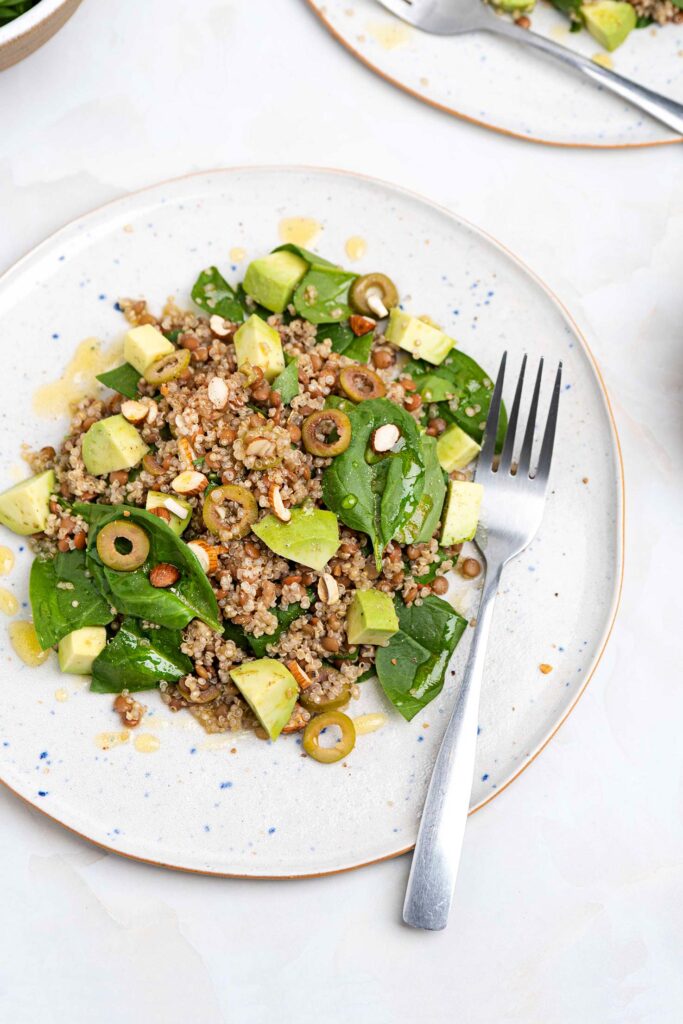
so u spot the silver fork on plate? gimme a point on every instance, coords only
(458, 17)
(512, 508)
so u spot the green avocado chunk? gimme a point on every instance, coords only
(258, 344)
(25, 507)
(456, 449)
(173, 504)
(311, 537)
(78, 650)
(272, 280)
(143, 345)
(609, 21)
(515, 6)
(462, 512)
(371, 618)
(270, 690)
(418, 337)
(112, 444)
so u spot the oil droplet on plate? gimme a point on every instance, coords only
(61, 695)
(604, 60)
(145, 743)
(78, 379)
(107, 740)
(356, 247)
(299, 230)
(238, 255)
(389, 35)
(6, 561)
(8, 602)
(25, 643)
(369, 723)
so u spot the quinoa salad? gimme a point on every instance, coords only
(257, 512)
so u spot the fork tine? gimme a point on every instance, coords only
(401, 8)
(488, 448)
(506, 454)
(544, 459)
(527, 444)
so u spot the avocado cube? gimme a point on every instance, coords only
(270, 690)
(143, 345)
(371, 618)
(272, 280)
(25, 507)
(418, 337)
(311, 537)
(609, 22)
(78, 650)
(456, 449)
(515, 6)
(463, 504)
(179, 509)
(258, 344)
(112, 444)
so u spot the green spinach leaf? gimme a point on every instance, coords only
(411, 668)
(287, 382)
(423, 523)
(259, 644)
(345, 341)
(311, 258)
(472, 389)
(433, 388)
(376, 497)
(139, 659)
(124, 379)
(322, 295)
(131, 593)
(64, 597)
(213, 294)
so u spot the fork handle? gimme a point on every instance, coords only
(437, 851)
(660, 107)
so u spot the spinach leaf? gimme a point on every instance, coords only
(139, 659)
(311, 258)
(411, 668)
(124, 379)
(321, 297)
(423, 523)
(55, 585)
(471, 387)
(258, 644)
(213, 294)
(131, 593)
(433, 388)
(287, 382)
(337, 402)
(345, 341)
(249, 305)
(387, 491)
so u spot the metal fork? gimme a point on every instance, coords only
(458, 17)
(512, 508)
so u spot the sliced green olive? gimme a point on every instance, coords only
(373, 295)
(226, 522)
(359, 383)
(328, 755)
(320, 426)
(168, 367)
(123, 545)
(331, 704)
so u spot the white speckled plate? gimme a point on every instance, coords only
(498, 84)
(238, 805)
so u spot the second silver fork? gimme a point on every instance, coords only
(512, 508)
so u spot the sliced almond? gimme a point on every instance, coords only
(298, 720)
(189, 482)
(385, 437)
(260, 447)
(277, 504)
(328, 588)
(219, 326)
(152, 409)
(134, 412)
(302, 677)
(206, 554)
(374, 302)
(176, 508)
(218, 393)
(186, 452)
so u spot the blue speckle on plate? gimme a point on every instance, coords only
(484, 776)
(226, 785)
(42, 792)
(271, 830)
(43, 755)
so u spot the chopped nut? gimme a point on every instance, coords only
(134, 412)
(218, 393)
(186, 452)
(375, 303)
(206, 554)
(219, 326)
(361, 325)
(164, 575)
(302, 677)
(298, 720)
(175, 508)
(328, 588)
(131, 711)
(385, 437)
(190, 482)
(260, 447)
(277, 504)
(161, 512)
(545, 669)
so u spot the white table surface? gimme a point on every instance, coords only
(569, 907)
